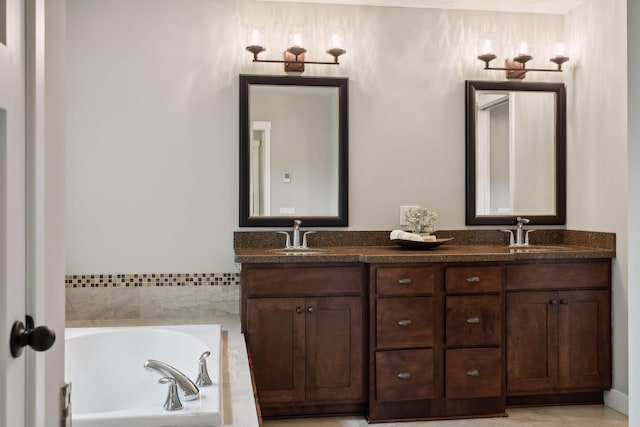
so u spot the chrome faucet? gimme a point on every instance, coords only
(190, 390)
(296, 233)
(203, 380)
(295, 242)
(521, 237)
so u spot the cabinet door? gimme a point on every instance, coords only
(276, 344)
(334, 339)
(584, 345)
(532, 342)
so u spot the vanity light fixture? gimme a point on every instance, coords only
(294, 56)
(516, 67)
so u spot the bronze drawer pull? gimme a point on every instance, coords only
(404, 323)
(564, 302)
(473, 320)
(553, 302)
(299, 310)
(311, 309)
(473, 372)
(404, 281)
(473, 279)
(404, 375)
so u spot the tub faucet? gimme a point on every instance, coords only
(203, 380)
(172, 403)
(190, 390)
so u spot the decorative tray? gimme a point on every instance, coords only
(412, 244)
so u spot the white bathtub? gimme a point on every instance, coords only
(111, 388)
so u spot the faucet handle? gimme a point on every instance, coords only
(304, 238)
(288, 241)
(522, 221)
(297, 222)
(172, 403)
(526, 236)
(511, 241)
(203, 379)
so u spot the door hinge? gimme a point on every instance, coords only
(65, 403)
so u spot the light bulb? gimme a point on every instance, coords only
(487, 48)
(256, 38)
(523, 49)
(336, 41)
(559, 49)
(296, 39)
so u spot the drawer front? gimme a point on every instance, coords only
(568, 275)
(474, 320)
(404, 322)
(302, 281)
(404, 375)
(474, 279)
(405, 280)
(473, 372)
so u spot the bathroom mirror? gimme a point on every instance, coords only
(515, 152)
(293, 151)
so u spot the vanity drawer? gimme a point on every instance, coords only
(303, 281)
(405, 280)
(567, 275)
(404, 375)
(404, 322)
(473, 372)
(474, 320)
(474, 279)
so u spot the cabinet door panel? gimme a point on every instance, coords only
(532, 342)
(276, 344)
(584, 346)
(334, 332)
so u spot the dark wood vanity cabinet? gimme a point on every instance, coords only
(427, 340)
(304, 328)
(436, 345)
(558, 332)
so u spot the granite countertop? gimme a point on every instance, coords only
(375, 247)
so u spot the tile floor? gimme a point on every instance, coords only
(551, 416)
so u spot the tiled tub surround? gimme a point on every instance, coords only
(168, 297)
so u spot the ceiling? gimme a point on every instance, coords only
(557, 7)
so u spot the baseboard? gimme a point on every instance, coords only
(617, 400)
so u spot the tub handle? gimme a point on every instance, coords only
(172, 403)
(203, 379)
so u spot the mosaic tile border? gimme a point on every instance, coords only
(151, 279)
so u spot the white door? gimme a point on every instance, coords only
(31, 200)
(13, 264)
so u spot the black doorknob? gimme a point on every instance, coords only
(39, 339)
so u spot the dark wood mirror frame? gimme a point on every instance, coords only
(342, 217)
(560, 153)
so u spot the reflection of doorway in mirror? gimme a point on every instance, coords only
(260, 161)
(493, 194)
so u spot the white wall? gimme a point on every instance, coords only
(153, 117)
(597, 149)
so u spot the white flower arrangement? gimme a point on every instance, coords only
(420, 220)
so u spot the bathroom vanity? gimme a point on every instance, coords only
(454, 332)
